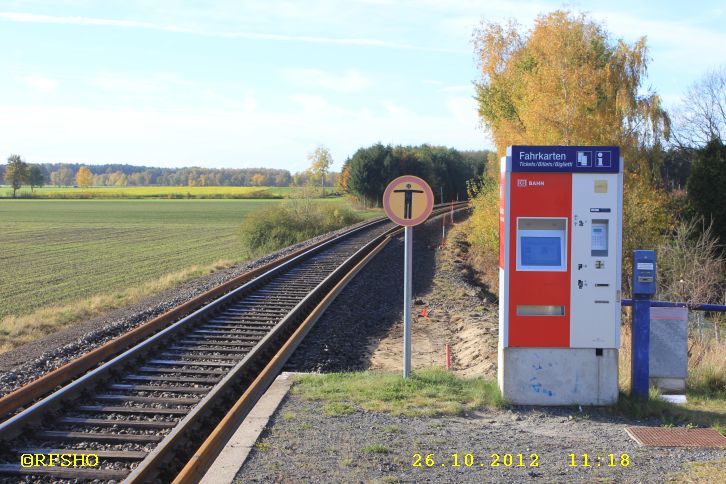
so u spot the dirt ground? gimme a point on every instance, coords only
(458, 313)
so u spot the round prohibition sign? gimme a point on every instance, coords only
(408, 200)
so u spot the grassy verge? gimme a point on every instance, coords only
(696, 413)
(705, 389)
(18, 330)
(701, 473)
(428, 392)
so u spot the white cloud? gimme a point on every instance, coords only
(80, 20)
(138, 85)
(125, 85)
(349, 81)
(41, 84)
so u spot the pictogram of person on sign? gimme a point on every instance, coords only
(407, 200)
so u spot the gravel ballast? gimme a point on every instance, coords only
(26, 363)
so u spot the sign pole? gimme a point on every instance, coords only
(408, 201)
(407, 262)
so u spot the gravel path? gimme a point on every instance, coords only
(302, 445)
(29, 362)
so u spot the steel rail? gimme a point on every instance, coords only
(45, 384)
(13, 425)
(248, 367)
(198, 464)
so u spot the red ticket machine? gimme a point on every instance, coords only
(560, 225)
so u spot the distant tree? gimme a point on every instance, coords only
(706, 184)
(117, 179)
(35, 177)
(65, 175)
(16, 172)
(258, 179)
(282, 179)
(320, 161)
(676, 167)
(84, 177)
(344, 177)
(702, 116)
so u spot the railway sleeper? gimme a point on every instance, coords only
(65, 472)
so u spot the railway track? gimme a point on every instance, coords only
(161, 410)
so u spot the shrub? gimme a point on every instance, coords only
(270, 229)
(484, 221)
(645, 221)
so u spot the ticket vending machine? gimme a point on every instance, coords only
(560, 224)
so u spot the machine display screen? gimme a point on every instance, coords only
(541, 251)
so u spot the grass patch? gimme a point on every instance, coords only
(701, 472)
(427, 393)
(705, 389)
(336, 409)
(391, 429)
(696, 413)
(262, 446)
(18, 330)
(291, 222)
(289, 416)
(375, 449)
(56, 252)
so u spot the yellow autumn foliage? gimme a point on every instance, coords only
(565, 82)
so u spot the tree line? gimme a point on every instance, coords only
(18, 173)
(366, 174)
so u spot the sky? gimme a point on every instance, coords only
(236, 83)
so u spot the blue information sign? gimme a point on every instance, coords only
(576, 159)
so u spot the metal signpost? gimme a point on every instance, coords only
(644, 271)
(408, 201)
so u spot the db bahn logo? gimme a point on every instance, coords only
(524, 183)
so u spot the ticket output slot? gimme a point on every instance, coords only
(529, 310)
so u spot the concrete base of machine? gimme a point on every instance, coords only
(558, 376)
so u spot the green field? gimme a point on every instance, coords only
(149, 192)
(152, 192)
(65, 261)
(55, 251)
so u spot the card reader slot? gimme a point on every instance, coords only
(602, 285)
